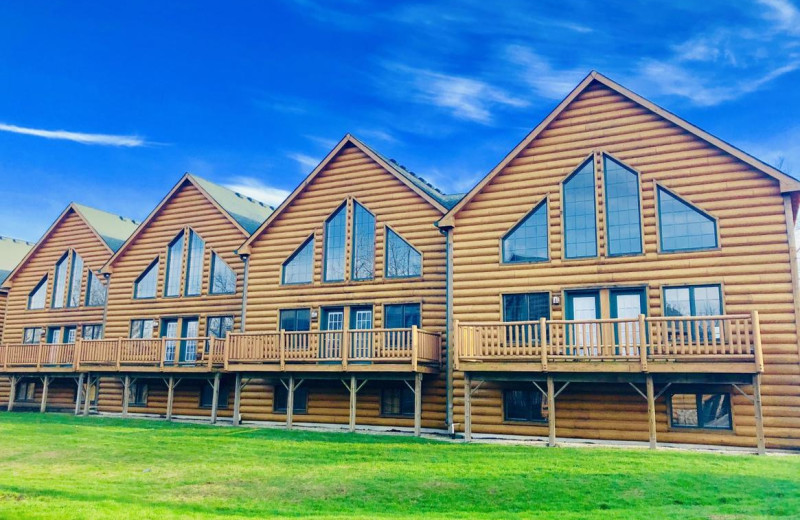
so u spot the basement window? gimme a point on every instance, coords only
(523, 406)
(207, 395)
(281, 397)
(397, 401)
(26, 392)
(137, 394)
(707, 411)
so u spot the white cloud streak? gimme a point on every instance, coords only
(306, 162)
(254, 188)
(130, 141)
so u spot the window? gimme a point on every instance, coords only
(580, 225)
(402, 260)
(527, 241)
(296, 319)
(60, 282)
(219, 326)
(37, 296)
(335, 230)
(95, 291)
(137, 394)
(32, 335)
(75, 278)
(207, 395)
(299, 267)
(397, 400)
(53, 334)
(281, 397)
(26, 391)
(693, 300)
(523, 405)
(145, 285)
(69, 334)
(623, 214)
(711, 411)
(172, 286)
(142, 329)
(683, 227)
(363, 243)
(92, 331)
(223, 278)
(194, 265)
(401, 316)
(526, 306)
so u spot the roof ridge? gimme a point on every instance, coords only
(20, 240)
(117, 215)
(238, 194)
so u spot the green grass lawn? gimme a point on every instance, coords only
(59, 466)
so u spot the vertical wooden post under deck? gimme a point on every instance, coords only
(759, 354)
(170, 396)
(45, 388)
(761, 442)
(651, 411)
(12, 392)
(467, 408)
(126, 388)
(353, 398)
(551, 411)
(237, 400)
(414, 348)
(78, 394)
(417, 404)
(87, 398)
(290, 403)
(215, 399)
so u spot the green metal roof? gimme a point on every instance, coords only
(248, 212)
(113, 229)
(12, 251)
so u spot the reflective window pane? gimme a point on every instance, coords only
(363, 243)
(299, 268)
(622, 209)
(527, 241)
(75, 279)
(335, 231)
(401, 316)
(223, 278)
(172, 286)
(95, 291)
(194, 265)
(145, 285)
(60, 282)
(402, 260)
(683, 227)
(37, 296)
(580, 226)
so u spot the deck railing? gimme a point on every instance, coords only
(728, 338)
(37, 355)
(408, 345)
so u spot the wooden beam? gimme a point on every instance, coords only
(551, 411)
(215, 399)
(353, 399)
(87, 398)
(126, 388)
(170, 396)
(760, 440)
(12, 392)
(45, 388)
(290, 403)
(237, 400)
(417, 404)
(467, 408)
(651, 410)
(79, 394)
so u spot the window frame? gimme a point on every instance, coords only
(138, 394)
(659, 235)
(590, 159)
(386, 275)
(71, 281)
(89, 285)
(384, 316)
(691, 288)
(29, 384)
(43, 283)
(295, 310)
(546, 202)
(303, 390)
(344, 206)
(221, 318)
(33, 329)
(404, 391)
(525, 292)
(310, 238)
(698, 404)
(93, 327)
(527, 420)
(639, 194)
(213, 263)
(189, 235)
(223, 401)
(353, 242)
(154, 264)
(64, 283)
(181, 272)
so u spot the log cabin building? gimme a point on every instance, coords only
(12, 251)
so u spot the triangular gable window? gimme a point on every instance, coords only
(402, 260)
(527, 241)
(145, 285)
(682, 226)
(299, 267)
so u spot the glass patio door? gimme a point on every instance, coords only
(190, 329)
(584, 306)
(361, 319)
(627, 304)
(169, 329)
(330, 345)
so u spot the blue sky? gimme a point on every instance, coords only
(108, 104)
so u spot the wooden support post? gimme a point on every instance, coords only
(551, 411)
(759, 354)
(79, 394)
(282, 347)
(87, 398)
(119, 352)
(12, 392)
(226, 350)
(45, 388)
(237, 400)
(651, 411)
(77, 353)
(456, 347)
(642, 343)
(215, 399)
(543, 342)
(290, 403)
(761, 442)
(170, 396)
(353, 398)
(414, 348)
(467, 408)
(126, 388)
(417, 405)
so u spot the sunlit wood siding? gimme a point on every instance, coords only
(351, 173)
(3, 300)
(752, 265)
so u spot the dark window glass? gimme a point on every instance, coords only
(194, 265)
(92, 332)
(580, 225)
(172, 285)
(26, 391)
(701, 411)
(402, 260)
(526, 306)
(223, 278)
(60, 282)
(37, 296)
(397, 401)
(95, 291)
(299, 267)
(682, 227)
(693, 300)
(219, 326)
(281, 397)
(363, 243)
(207, 395)
(32, 334)
(523, 405)
(401, 316)
(145, 285)
(295, 320)
(137, 394)
(622, 209)
(335, 231)
(75, 279)
(527, 241)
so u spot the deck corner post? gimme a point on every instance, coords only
(78, 394)
(760, 440)
(759, 354)
(543, 342)
(45, 388)
(226, 350)
(126, 395)
(642, 343)
(551, 411)
(455, 348)
(417, 404)
(87, 398)
(215, 399)
(414, 348)
(237, 400)
(170, 397)
(12, 392)
(77, 353)
(353, 401)
(467, 408)
(651, 411)
(119, 352)
(282, 348)
(290, 403)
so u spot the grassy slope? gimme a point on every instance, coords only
(55, 466)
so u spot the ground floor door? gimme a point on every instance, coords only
(627, 304)
(361, 342)
(330, 345)
(583, 307)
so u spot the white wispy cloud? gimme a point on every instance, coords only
(546, 80)
(306, 162)
(376, 134)
(78, 137)
(256, 189)
(324, 142)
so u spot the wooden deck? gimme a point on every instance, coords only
(702, 344)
